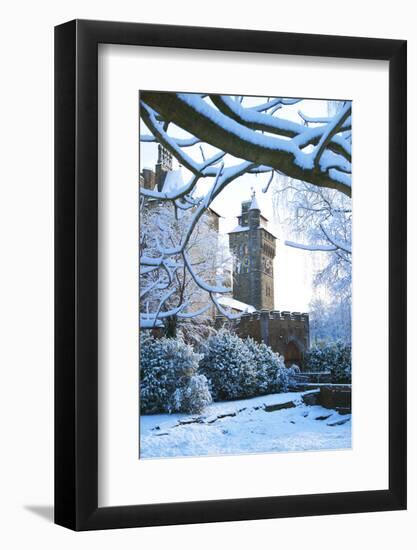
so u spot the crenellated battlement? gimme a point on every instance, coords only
(274, 314)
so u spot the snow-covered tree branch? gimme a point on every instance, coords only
(259, 137)
(178, 275)
(319, 221)
(218, 139)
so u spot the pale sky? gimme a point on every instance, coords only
(293, 268)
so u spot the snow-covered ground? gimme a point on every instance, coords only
(251, 429)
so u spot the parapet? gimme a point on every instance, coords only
(271, 314)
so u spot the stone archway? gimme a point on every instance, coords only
(293, 354)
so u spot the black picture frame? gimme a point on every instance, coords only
(76, 272)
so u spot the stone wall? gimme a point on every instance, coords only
(287, 333)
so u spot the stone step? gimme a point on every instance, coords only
(337, 396)
(311, 377)
(279, 406)
(330, 396)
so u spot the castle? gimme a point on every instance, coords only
(253, 247)
(151, 179)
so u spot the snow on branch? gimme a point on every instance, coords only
(271, 177)
(346, 247)
(224, 312)
(169, 143)
(275, 125)
(312, 247)
(150, 319)
(200, 282)
(334, 244)
(332, 128)
(258, 140)
(315, 120)
(235, 130)
(193, 314)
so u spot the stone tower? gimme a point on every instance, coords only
(253, 248)
(163, 166)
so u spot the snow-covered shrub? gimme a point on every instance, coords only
(195, 330)
(169, 378)
(238, 368)
(271, 373)
(293, 370)
(228, 364)
(292, 374)
(194, 396)
(335, 357)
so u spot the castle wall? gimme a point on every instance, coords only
(286, 333)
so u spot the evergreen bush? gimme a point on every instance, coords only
(335, 357)
(271, 374)
(238, 369)
(169, 378)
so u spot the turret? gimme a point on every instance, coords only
(163, 166)
(254, 213)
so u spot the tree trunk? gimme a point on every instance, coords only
(171, 327)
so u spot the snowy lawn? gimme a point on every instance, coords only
(244, 426)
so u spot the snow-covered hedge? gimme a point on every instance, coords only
(271, 374)
(335, 357)
(239, 368)
(169, 378)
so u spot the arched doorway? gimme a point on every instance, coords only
(293, 355)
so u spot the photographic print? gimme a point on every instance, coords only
(245, 295)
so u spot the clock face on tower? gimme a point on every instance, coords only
(268, 266)
(245, 264)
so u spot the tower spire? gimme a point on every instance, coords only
(254, 203)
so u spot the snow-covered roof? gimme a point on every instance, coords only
(228, 301)
(242, 228)
(173, 181)
(214, 211)
(239, 229)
